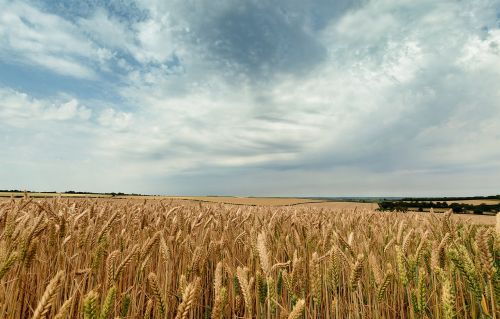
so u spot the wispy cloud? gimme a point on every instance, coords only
(42, 39)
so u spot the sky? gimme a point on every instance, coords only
(237, 97)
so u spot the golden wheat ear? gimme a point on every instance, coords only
(48, 296)
(65, 308)
(297, 309)
(188, 298)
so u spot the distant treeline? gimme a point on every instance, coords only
(111, 194)
(458, 208)
(69, 192)
(435, 199)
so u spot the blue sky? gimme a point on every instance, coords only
(311, 98)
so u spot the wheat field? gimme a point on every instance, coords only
(62, 258)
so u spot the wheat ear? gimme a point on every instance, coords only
(90, 305)
(153, 283)
(297, 309)
(48, 296)
(108, 303)
(188, 298)
(63, 311)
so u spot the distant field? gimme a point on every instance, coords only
(250, 201)
(342, 205)
(477, 219)
(256, 201)
(270, 201)
(259, 201)
(20, 194)
(266, 201)
(307, 203)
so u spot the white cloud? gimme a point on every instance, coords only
(20, 110)
(481, 54)
(28, 35)
(66, 111)
(115, 120)
(106, 30)
(150, 40)
(155, 38)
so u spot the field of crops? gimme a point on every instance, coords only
(90, 258)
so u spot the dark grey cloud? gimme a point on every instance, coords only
(259, 39)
